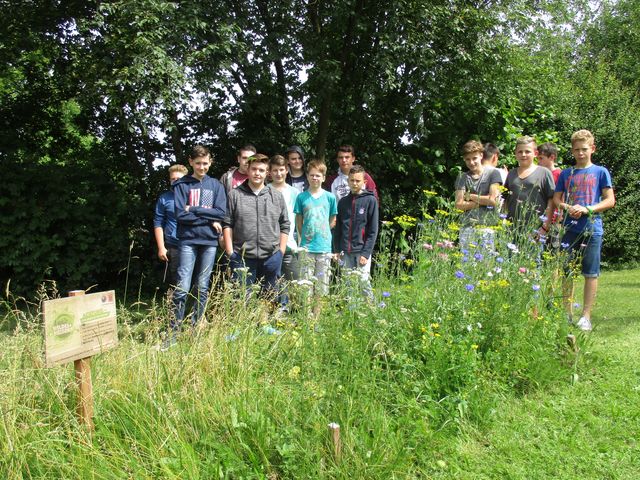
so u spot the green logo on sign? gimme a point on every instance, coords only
(63, 325)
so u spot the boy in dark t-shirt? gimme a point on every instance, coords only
(477, 191)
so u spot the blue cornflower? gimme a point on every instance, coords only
(478, 256)
(459, 274)
(382, 305)
(535, 287)
(499, 259)
(469, 287)
(386, 294)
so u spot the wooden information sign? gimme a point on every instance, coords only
(79, 326)
(75, 329)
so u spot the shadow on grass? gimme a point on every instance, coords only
(615, 325)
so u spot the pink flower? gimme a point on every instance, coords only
(439, 244)
(427, 246)
(522, 270)
(448, 244)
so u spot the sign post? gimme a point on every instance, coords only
(82, 367)
(75, 329)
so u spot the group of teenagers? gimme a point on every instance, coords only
(283, 218)
(545, 204)
(275, 218)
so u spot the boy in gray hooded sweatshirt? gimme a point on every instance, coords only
(256, 228)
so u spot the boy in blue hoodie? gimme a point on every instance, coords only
(356, 228)
(165, 226)
(200, 206)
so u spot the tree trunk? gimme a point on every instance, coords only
(176, 135)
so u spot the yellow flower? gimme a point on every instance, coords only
(442, 212)
(408, 262)
(429, 193)
(474, 347)
(406, 221)
(294, 372)
(458, 211)
(436, 334)
(435, 325)
(454, 227)
(428, 217)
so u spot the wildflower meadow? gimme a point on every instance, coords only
(449, 337)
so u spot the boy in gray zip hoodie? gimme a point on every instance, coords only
(256, 228)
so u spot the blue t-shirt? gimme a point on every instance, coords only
(584, 186)
(316, 212)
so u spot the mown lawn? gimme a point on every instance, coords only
(589, 428)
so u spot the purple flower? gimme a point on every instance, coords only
(543, 218)
(499, 259)
(535, 287)
(464, 251)
(478, 256)
(382, 305)
(386, 294)
(465, 259)
(503, 216)
(459, 274)
(564, 245)
(469, 287)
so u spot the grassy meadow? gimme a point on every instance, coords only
(459, 369)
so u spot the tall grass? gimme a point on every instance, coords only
(450, 335)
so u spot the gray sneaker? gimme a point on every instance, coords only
(584, 324)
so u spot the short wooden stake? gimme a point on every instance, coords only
(83, 380)
(334, 435)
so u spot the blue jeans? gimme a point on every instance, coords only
(200, 258)
(266, 271)
(585, 247)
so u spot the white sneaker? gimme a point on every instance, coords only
(584, 324)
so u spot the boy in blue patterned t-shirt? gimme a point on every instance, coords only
(316, 211)
(583, 191)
